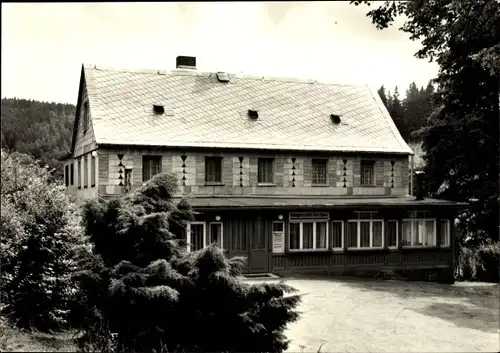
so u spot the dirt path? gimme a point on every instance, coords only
(386, 316)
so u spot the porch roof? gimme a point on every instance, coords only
(319, 202)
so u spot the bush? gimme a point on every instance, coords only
(481, 263)
(41, 238)
(143, 291)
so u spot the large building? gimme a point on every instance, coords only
(296, 175)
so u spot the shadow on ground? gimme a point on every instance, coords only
(469, 305)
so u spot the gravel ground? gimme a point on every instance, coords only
(353, 315)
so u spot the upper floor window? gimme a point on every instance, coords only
(419, 230)
(265, 170)
(367, 172)
(151, 165)
(213, 169)
(85, 116)
(319, 171)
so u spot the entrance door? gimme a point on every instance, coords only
(258, 259)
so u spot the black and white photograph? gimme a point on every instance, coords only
(299, 177)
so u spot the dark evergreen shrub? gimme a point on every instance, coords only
(143, 291)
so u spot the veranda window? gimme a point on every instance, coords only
(200, 236)
(365, 232)
(308, 234)
(419, 230)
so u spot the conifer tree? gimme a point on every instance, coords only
(149, 293)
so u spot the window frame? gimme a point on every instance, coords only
(151, 157)
(188, 234)
(221, 167)
(85, 167)
(206, 230)
(265, 183)
(314, 162)
(301, 234)
(66, 175)
(373, 165)
(79, 172)
(414, 218)
(221, 234)
(342, 234)
(448, 229)
(93, 167)
(366, 220)
(86, 117)
(397, 234)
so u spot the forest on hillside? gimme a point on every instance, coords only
(40, 129)
(44, 130)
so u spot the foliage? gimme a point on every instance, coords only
(39, 129)
(411, 113)
(479, 263)
(461, 139)
(41, 239)
(143, 291)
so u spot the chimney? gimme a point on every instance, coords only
(419, 185)
(185, 62)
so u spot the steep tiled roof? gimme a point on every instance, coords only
(200, 111)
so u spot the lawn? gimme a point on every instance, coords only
(360, 315)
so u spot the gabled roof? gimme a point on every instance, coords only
(201, 111)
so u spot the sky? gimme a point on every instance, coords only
(45, 44)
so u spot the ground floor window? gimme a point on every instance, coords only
(338, 235)
(418, 230)
(308, 235)
(365, 233)
(199, 235)
(392, 234)
(444, 235)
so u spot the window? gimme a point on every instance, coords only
(319, 171)
(338, 234)
(213, 169)
(419, 230)
(195, 236)
(367, 172)
(92, 171)
(444, 232)
(215, 234)
(365, 232)
(265, 170)
(85, 116)
(308, 235)
(151, 165)
(85, 171)
(199, 237)
(66, 175)
(128, 179)
(72, 174)
(79, 173)
(392, 234)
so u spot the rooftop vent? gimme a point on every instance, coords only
(158, 109)
(222, 77)
(253, 114)
(335, 118)
(185, 62)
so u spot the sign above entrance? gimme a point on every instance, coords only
(309, 215)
